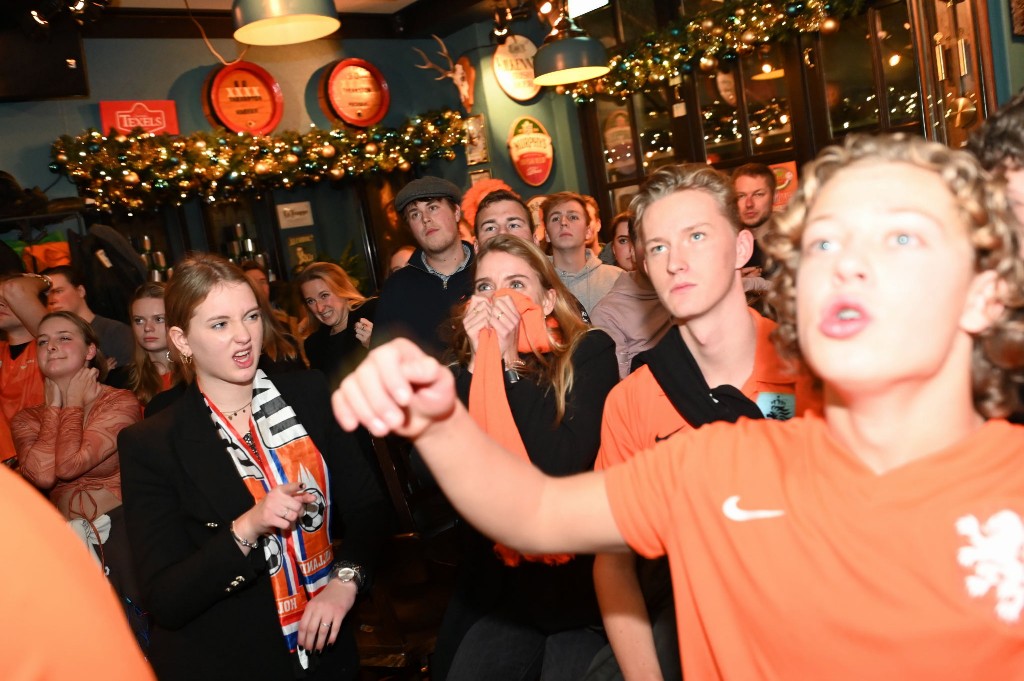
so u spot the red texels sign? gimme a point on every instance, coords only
(158, 116)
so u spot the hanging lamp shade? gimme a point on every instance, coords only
(283, 22)
(568, 55)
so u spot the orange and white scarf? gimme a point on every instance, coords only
(488, 403)
(299, 561)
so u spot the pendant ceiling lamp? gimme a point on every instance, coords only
(568, 55)
(283, 22)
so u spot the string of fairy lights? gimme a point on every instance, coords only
(142, 171)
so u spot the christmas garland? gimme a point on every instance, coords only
(710, 40)
(143, 171)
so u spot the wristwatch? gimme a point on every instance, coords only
(346, 571)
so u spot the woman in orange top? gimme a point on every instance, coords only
(67, 446)
(152, 371)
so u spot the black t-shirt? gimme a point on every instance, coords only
(338, 354)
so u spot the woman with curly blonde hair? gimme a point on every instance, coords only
(889, 529)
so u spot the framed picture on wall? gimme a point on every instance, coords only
(476, 140)
(1017, 17)
(479, 176)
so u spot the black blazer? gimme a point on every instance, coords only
(213, 610)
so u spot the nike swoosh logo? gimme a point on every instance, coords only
(731, 509)
(662, 438)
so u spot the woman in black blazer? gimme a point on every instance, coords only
(233, 497)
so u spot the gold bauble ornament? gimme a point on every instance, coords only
(708, 64)
(291, 159)
(404, 166)
(262, 168)
(337, 173)
(328, 151)
(371, 148)
(707, 24)
(717, 31)
(200, 144)
(829, 25)
(62, 157)
(748, 37)
(131, 177)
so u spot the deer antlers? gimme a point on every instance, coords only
(445, 73)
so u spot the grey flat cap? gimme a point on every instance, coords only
(426, 188)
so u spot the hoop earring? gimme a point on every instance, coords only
(167, 355)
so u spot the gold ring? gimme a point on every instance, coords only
(325, 624)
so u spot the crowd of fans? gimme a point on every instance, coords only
(198, 458)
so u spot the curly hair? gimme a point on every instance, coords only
(998, 356)
(999, 143)
(553, 369)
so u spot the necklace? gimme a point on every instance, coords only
(232, 414)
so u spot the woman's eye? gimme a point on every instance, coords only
(138, 321)
(482, 286)
(699, 236)
(254, 316)
(516, 284)
(905, 239)
(41, 342)
(821, 245)
(161, 320)
(218, 325)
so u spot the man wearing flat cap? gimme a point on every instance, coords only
(416, 301)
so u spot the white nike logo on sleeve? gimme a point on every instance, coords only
(731, 509)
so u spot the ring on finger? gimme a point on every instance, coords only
(326, 625)
(284, 513)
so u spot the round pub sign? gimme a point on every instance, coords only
(513, 68)
(243, 97)
(529, 145)
(355, 92)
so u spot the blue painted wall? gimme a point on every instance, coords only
(1007, 51)
(176, 69)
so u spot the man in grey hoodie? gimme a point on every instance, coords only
(568, 229)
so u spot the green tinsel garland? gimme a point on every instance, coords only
(711, 39)
(142, 171)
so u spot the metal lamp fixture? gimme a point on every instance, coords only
(283, 22)
(568, 55)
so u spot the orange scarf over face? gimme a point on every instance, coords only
(488, 403)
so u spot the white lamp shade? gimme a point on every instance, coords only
(569, 60)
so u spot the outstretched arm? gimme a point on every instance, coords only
(399, 389)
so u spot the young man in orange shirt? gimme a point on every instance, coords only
(21, 383)
(882, 540)
(718, 364)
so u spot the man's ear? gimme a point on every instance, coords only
(744, 247)
(458, 213)
(81, 291)
(177, 336)
(984, 302)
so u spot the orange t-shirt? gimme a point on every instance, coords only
(792, 560)
(21, 385)
(73, 628)
(638, 413)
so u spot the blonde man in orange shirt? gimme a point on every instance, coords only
(718, 363)
(884, 539)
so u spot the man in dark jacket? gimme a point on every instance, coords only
(417, 300)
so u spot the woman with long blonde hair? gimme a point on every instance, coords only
(340, 318)
(535, 377)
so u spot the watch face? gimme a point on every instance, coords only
(346, 574)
